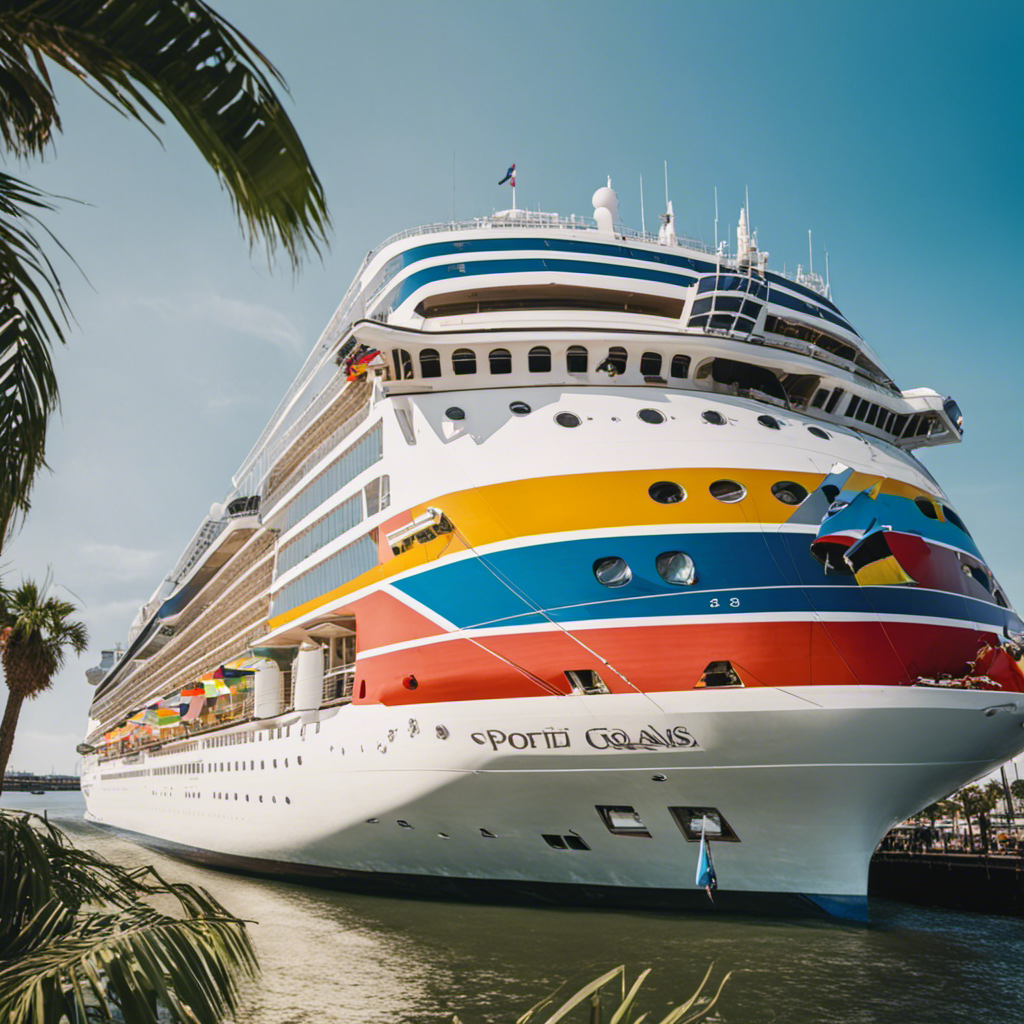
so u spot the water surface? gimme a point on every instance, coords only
(338, 958)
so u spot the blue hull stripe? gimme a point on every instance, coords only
(454, 271)
(766, 573)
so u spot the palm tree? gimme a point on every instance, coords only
(80, 938)
(139, 56)
(35, 635)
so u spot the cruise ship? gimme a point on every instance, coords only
(569, 549)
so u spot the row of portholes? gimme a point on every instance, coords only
(225, 766)
(716, 419)
(653, 416)
(538, 360)
(675, 567)
(668, 492)
(227, 796)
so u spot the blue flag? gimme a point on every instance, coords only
(510, 174)
(706, 876)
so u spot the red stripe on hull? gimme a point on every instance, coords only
(660, 658)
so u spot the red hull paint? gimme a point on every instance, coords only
(660, 658)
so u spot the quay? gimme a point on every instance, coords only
(989, 883)
(26, 782)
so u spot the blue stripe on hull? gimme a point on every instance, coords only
(768, 573)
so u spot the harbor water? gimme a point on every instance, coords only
(332, 957)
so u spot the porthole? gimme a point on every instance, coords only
(453, 412)
(651, 416)
(677, 568)
(666, 492)
(519, 409)
(287, 799)
(818, 432)
(568, 419)
(927, 507)
(728, 491)
(789, 493)
(612, 572)
(713, 417)
(299, 759)
(770, 422)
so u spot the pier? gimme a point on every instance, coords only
(26, 782)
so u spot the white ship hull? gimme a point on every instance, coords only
(809, 782)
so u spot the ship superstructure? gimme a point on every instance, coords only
(567, 544)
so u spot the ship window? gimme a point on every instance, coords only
(617, 358)
(818, 432)
(612, 572)
(707, 284)
(1000, 599)
(665, 492)
(651, 416)
(769, 421)
(927, 507)
(865, 408)
(430, 363)
(680, 365)
(519, 408)
(953, 518)
(713, 417)
(403, 364)
(833, 400)
(487, 833)
(555, 842)
(698, 321)
(728, 491)
(453, 412)
(752, 309)
(701, 306)
(708, 821)
(731, 303)
(568, 419)
(575, 843)
(539, 359)
(744, 325)
(501, 360)
(576, 359)
(586, 680)
(789, 493)
(677, 568)
(464, 361)
(851, 409)
(650, 364)
(898, 426)
(819, 398)
(721, 321)
(924, 426)
(622, 820)
(872, 415)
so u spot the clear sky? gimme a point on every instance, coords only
(893, 131)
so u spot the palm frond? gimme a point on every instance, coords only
(80, 940)
(32, 307)
(180, 54)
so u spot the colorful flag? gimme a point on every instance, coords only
(359, 362)
(193, 698)
(510, 176)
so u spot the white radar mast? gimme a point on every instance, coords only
(606, 208)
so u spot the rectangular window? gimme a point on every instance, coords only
(680, 365)
(622, 820)
(701, 306)
(851, 409)
(898, 426)
(693, 821)
(872, 414)
(586, 680)
(819, 398)
(865, 408)
(834, 400)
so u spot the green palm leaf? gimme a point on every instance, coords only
(138, 54)
(80, 938)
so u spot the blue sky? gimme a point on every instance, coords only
(894, 132)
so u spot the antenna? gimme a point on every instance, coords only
(643, 225)
(666, 183)
(716, 217)
(828, 279)
(810, 251)
(750, 223)
(453, 186)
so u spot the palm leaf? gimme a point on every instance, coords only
(180, 54)
(31, 306)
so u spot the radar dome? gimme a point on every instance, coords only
(606, 199)
(217, 511)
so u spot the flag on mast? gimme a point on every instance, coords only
(510, 175)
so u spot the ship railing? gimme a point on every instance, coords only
(359, 416)
(534, 219)
(338, 685)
